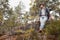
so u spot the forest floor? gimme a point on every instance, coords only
(28, 34)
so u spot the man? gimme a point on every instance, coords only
(44, 16)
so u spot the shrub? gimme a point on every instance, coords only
(53, 28)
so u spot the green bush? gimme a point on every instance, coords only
(53, 28)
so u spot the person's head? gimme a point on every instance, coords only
(42, 5)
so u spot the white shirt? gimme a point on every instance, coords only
(43, 12)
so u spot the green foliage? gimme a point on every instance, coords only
(29, 35)
(53, 28)
(1, 16)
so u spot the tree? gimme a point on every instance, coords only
(7, 17)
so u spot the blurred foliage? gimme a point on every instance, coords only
(1, 16)
(6, 23)
(52, 28)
